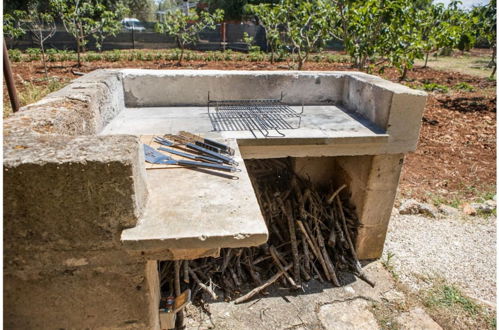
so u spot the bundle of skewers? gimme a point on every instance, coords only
(312, 234)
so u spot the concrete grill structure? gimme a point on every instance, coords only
(85, 223)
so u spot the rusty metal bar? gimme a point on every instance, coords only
(9, 79)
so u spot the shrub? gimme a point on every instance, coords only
(433, 87)
(113, 56)
(15, 55)
(66, 55)
(228, 55)
(51, 55)
(464, 86)
(92, 57)
(33, 54)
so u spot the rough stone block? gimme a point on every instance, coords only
(117, 297)
(70, 193)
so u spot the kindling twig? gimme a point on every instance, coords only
(263, 286)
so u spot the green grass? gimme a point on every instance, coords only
(464, 86)
(467, 64)
(452, 309)
(450, 296)
(387, 263)
(31, 93)
(434, 87)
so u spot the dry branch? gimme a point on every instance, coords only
(261, 287)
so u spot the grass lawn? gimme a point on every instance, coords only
(474, 63)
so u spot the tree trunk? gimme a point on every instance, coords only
(301, 61)
(44, 60)
(426, 60)
(404, 73)
(78, 50)
(181, 55)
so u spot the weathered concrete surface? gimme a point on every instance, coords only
(66, 201)
(373, 102)
(348, 315)
(84, 298)
(159, 88)
(71, 192)
(318, 306)
(83, 107)
(417, 319)
(192, 209)
(372, 182)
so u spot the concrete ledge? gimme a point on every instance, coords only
(68, 192)
(84, 106)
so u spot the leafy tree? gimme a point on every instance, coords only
(141, 9)
(234, 10)
(42, 27)
(83, 18)
(484, 21)
(109, 23)
(307, 25)
(185, 28)
(12, 24)
(403, 44)
(362, 26)
(432, 28)
(271, 17)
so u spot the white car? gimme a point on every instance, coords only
(130, 24)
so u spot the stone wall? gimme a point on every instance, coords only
(68, 194)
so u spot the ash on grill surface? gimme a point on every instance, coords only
(260, 115)
(311, 235)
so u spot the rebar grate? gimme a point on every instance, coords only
(260, 115)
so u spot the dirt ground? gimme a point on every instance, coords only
(456, 156)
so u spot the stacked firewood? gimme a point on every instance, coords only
(312, 235)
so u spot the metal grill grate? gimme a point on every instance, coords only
(260, 115)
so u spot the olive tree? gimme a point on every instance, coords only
(271, 18)
(84, 18)
(109, 22)
(484, 25)
(185, 28)
(307, 25)
(12, 24)
(42, 27)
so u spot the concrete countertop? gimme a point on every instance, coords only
(318, 122)
(190, 209)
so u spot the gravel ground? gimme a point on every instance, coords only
(461, 250)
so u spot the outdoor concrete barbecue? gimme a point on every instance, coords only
(85, 223)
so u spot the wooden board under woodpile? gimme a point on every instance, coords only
(312, 232)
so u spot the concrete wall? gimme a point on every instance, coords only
(68, 194)
(152, 88)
